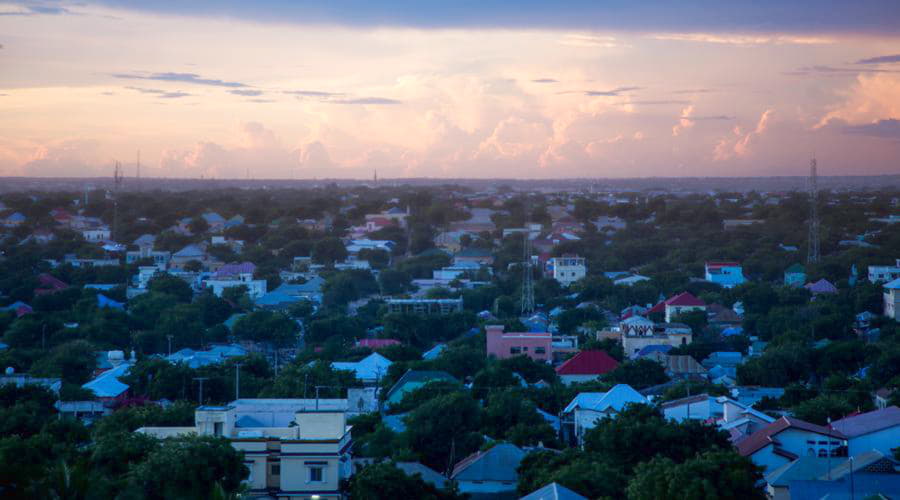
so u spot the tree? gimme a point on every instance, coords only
(74, 362)
(393, 281)
(820, 409)
(511, 416)
(639, 374)
(585, 474)
(327, 251)
(198, 225)
(267, 326)
(171, 285)
(445, 425)
(188, 468)
(384, 481)
(713, 474)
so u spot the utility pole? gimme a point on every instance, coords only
(201, 379)
(528, 274)
(237, 380)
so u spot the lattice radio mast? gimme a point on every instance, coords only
(118, 177)
(528, 276)
(812, 255)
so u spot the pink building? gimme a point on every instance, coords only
(537, 346)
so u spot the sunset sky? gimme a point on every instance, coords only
(449, 89)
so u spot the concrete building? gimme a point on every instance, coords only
(295, 449)
(878, 274)
(892, 298)
(255, 288)
(874, 430)
(536, 345)
(567, 269)
(588, 407)
(727, 274)
(425, 306)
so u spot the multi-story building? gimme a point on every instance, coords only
(727, 274)
(255, 288)
(295, 449)
(567, 269)
(425, 306)
(892, 298)
(879, 274)
(536, 345)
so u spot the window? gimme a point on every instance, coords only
(217, 428)
(316, 474)
(525, 348)
(276, 469)
(823, 453)
(515, 350)
(540, 350)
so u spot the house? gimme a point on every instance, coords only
(787, 439)
(874, 430)
(682, 303)
(892, 298)
(536, 345)
(553, 491)
(605, 223)
(630, 279)
(187, 254)
(295, 449)
(427, 474)
(368, 370)
(683, 367)
(701, 407)
(234, 270)
(637, 332)
(412, 380)
(376, 343)
(215, 221)
(23, 379)
(821, 287)
(14, 220)
(479, 256)
(736, 223)
(214, 355)
(96, 235)
(585, 366)
(723, 363)
(48, 285)
(255, 288)
(489, 472)
(434, 352)
(106, 386)
(879, 274)
(586, 408)
(795, 275)
(566, 269)
(355, 246)
(145, 251)
(882, 396)
(19, 308)
(425, 306)
(726, 274)
(876, 476)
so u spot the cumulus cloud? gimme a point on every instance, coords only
(684, 121)
(869, 99)
(191, 78)
(740, 143)
(65, 158)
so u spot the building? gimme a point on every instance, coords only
(866, 475)
(736, 223)
(726, 274)
(255, 288)
(875, 430)
(892, 298)
(682, 303)
(787, 439)
(795, 275)
(553, 491)
(583, 412)
(567, 269)
(412, 380)
(637, 332)
(23, 379)
(96, 234)
(491, 472)
(879, 274)
(479, 256)
(536, 345)
(586, 366)
(295, 448)
(369, 370)
(425, 306)
(821, 287)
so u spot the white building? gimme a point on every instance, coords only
(786, 439)
(892, 298)
(587, 408)
(879, 274)
(295, 448)
(567, 269)
(875, 430)
(255, 288)
(96, 234)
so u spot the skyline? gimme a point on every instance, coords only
(294, 90)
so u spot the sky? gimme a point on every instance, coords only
(488, 89)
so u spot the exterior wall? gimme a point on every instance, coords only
(487, 487)
(891, 303)
(587, 419)
(572, 379)
(255, 288)
(767, 459)
(794, 279)
(633, 344)
(568, 270)
(502, 345)
(727, 276)
(884, 273)
(256, 459)
(699, 410)
(882, 441)
(672, 311)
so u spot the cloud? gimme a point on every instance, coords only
(693, 91)
(658, 102)
(65, 158)
(743, 40)
(544, 80)
(32, 10)
(886, 129)
(191, 78)
(366, 100)
(654, 16)
(895, 58)
(162, 94)
(312, 93)
(835, 71)
(610, 93)
(246, 92)
(589, 41)
(684, 121)
(740, 143)
(871, 98)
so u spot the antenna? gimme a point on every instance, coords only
(812, 255)
(528, 276)
(117, 183)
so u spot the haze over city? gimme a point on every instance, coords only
(474, 89)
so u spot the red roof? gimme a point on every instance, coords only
(765, 436)
(376, 343)
(588, 363)
(719, 265)
(685, 299)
